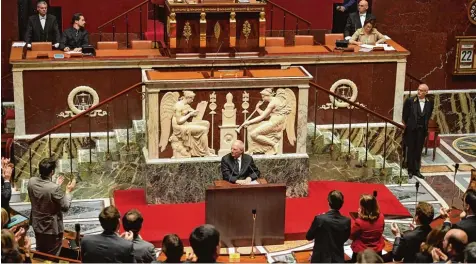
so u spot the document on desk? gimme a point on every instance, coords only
(19, 44)
(73, 52)
(253, 182)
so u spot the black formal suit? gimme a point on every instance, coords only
(468, 225)
(6, 194)
(408, 245)
(106, 248)
(36, 33)
(143, 251)
(354, 23)
(340, 18)
(416, 130)
(330, 231)
(231, 173)
(73, 38)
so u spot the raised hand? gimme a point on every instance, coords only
(71, 185)
(395, 229)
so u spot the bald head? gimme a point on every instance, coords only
(455, 242)
(363, 6)
(422, 91)
(237, 148)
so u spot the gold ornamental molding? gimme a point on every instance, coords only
(187, 31)
(217, 9)
(246, 30)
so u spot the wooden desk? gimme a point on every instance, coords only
(229, 209)
(150, 53)
(266, 73)
(223, 183)
(304, 49)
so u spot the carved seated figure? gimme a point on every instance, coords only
(266, 136)
(189, 137)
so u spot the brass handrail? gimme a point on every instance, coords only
(386, 119)
(414, 78)
(124, 13)
(31, 141)
(289, 12)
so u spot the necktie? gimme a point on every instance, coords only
(237, 166)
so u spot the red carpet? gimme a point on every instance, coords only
(162, 219)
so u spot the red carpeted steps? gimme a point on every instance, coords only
(162, 219)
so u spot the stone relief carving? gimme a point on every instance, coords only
(265, 136)
(345, 88)
(80, 99)
(227, 130)
(189, 137)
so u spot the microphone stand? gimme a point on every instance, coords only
(454, 184)
(212, 73)
(417, 185)
(252, 254)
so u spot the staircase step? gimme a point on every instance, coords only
(101, 149)
(121, 136)
(83, 156)
(139, 128)
(370, 158)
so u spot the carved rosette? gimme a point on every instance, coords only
(187, 31)
(246, 30)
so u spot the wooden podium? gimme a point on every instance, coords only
(229, 209)
(201, 26)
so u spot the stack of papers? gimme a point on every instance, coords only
(367, 48)
(19, 44)
(73, 52)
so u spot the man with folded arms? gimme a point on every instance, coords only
(75, 37)
(42, 27)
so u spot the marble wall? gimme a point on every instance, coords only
(428, 29)
(180, 182)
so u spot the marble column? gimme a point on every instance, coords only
(302, 119)
(399, 89)
(19, 102)
(153, 125)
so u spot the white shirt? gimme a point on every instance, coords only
(362, 18)
(422, 104)
(239, 164)
(42, 21)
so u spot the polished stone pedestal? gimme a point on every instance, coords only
(185, 180)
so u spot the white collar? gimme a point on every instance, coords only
(42, 17)
(364, 14)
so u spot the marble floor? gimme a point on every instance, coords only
(441, 187)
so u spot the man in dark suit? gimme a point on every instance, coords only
(341, 14)
(108, 247)
(416, 114)
(42, 27)
(143, 250)
(75, 37)
(205, 242)
(48, 202)
(330, 231)
(356, 20)
(237, 167)
(468, 222)
(407, 245)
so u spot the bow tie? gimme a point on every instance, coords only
(42, 18)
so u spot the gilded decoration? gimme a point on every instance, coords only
(217, 30)
(168, 26)
(233, 17)
(187, 31)
(246, 30)
(217, 9)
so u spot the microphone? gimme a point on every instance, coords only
(77, 228)
(213, 62)
(375, 193)
(242, 61)
(252, 254)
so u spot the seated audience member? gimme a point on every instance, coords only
(143, 250)
(48, 202)
(173, 248)
(369, 256)
(7, 169)
(367, 229)
(468, 222)
(470, 253)
(75, 37)
(357, 19)
(330, 231)
(237, 167)
(42, 27)
(5, 218)
(205, 242)
(11, 253)
(108, 247)
(433, 240)
(407, 245)
(368, 34)
(453, 246)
